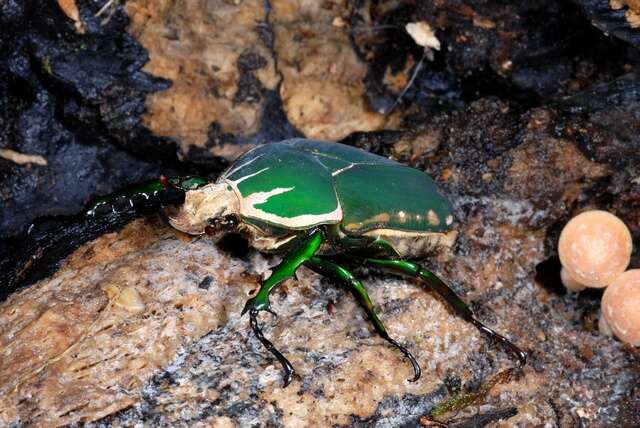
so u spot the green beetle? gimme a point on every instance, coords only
(327, 206)
(323, 205)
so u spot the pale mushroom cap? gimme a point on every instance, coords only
(603, 327)
(570, 283)
(621, 307)
(595, 248)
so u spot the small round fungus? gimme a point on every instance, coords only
(570, 283)
(603, 327)
(621, 307)
(595, 248)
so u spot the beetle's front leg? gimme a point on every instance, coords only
(285, 270)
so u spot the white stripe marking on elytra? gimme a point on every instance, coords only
(232, 171)
(241, 179)
(338, 171)
(262, 197)
(247, 208)
(301, 221)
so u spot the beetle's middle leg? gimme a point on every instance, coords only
(285, 270)
(325, 266)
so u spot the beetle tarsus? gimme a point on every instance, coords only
(286, 365)
(511, 348)
(417, 371)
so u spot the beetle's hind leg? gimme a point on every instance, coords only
(459, 306)
(324, 266)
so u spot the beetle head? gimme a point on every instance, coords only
(211, 209)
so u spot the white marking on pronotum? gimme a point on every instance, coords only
(341, 170)
(231, 171)
(241, 179)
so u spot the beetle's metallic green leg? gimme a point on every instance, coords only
(460, 307)
(285, 270)
(327, 267)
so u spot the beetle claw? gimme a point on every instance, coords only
(417, 372)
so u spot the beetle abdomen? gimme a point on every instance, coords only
(413, 245)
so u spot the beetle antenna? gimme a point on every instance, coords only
(227, 223)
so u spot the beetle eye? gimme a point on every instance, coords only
(231, 221)
(227, 223)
